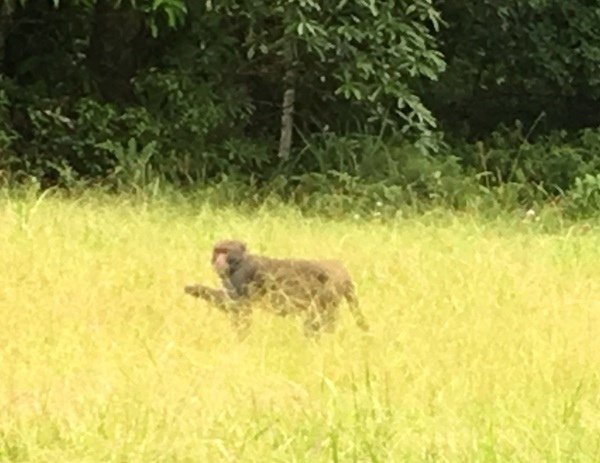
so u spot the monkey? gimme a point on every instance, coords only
(314, 288)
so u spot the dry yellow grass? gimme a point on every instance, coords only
(485, 341)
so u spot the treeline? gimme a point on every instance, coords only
(380, 102)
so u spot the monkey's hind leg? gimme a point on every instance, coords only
(354, 307)
(329, 317)
(314, 323)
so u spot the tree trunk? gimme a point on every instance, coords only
(6, 11)
(287, 116)
(289, 98)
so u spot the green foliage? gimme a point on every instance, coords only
(190, 135)
(583, 200)
(8, 135)
(171, 13)
(548, 166)
(133, 169)
(138, 95)
(167, 13)
(368, 176)
(69, 142)
(393, 162)
(365, 53)
(198, 132)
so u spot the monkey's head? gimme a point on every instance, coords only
(227, 256)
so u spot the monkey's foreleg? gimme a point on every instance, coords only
(217, 297)
(241, 319)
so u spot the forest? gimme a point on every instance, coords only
(406, 103)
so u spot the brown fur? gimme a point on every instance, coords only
(314, 288)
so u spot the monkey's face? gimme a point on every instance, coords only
(227, 256)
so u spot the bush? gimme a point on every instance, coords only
(190, 135)
(350, 163)
(544, 168)
(67, 141)
(583, 200)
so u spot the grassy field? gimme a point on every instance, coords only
(484, 344)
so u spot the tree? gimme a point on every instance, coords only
(364, 52)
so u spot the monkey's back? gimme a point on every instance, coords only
(297, 283)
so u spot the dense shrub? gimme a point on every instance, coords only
(547, 167)
(583, 200)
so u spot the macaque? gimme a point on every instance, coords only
(314, 288)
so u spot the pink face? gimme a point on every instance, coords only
(221, 252)
(219, 260)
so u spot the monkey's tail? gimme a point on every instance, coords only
(354, 307)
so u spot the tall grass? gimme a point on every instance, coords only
(484, 344)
